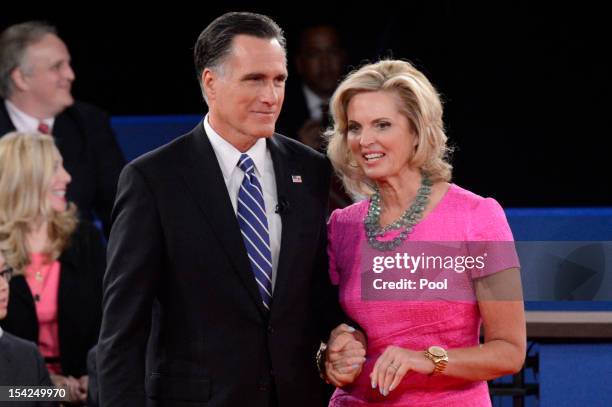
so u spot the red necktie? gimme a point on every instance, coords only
(43, 128)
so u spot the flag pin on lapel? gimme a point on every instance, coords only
(297, 179)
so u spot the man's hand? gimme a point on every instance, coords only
(83, 387)
(345, 355)
(74, 387)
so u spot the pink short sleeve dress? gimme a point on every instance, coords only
(459, 216)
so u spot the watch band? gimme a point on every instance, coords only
(439, 357)
(320, 360)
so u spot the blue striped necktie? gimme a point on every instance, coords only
(254, 227)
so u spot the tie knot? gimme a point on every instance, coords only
(43, 128)
(246, 164)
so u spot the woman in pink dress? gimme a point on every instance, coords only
(58, 261)
(388, 143)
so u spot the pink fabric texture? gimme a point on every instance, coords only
(46, 288)
(459, 216)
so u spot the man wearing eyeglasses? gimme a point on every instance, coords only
(20, 362)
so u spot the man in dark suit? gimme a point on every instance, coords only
(20, 362)
(35, 87)
(320, 63)
(217, 261)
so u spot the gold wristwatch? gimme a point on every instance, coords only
(439, 356)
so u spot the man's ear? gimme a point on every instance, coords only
(209, 83)
(19, 79)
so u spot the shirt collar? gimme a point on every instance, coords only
(23, 121)
(228, 155)
(1, 332)
(313, 101)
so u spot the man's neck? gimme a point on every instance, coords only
(30, 107)
(240, 141)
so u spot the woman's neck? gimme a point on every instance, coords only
(38, 237)
(397, 194)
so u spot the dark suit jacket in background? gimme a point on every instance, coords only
(176, 248)
(22, 365)
(295, 111)
(294, 114)
(91, 155)
(79, 301)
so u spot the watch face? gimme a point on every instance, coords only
(437, 351)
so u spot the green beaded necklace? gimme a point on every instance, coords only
(406, 222)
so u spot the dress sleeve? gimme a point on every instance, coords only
(490, 235)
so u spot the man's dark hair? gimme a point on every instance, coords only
(215, 42)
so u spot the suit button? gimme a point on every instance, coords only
(270, 329)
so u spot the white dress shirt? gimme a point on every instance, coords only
(314, 102)
(24, 122)
(228, 157)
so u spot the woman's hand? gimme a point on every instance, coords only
(345, 355)
(394, 363)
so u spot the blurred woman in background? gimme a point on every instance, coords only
(58, 262)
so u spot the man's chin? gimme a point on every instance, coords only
(62, 105)
(265, 132)
(67, 101)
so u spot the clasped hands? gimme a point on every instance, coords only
(346, 354)
(76, 388)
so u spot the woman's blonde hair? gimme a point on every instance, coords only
(419, 102)
(26, 168)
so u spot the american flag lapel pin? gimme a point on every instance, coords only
(297, 179)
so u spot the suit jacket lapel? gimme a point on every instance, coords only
(204, 179)
(6, 125)
(21, 292)
(284, 168)
(6, 355)
(61, 126)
